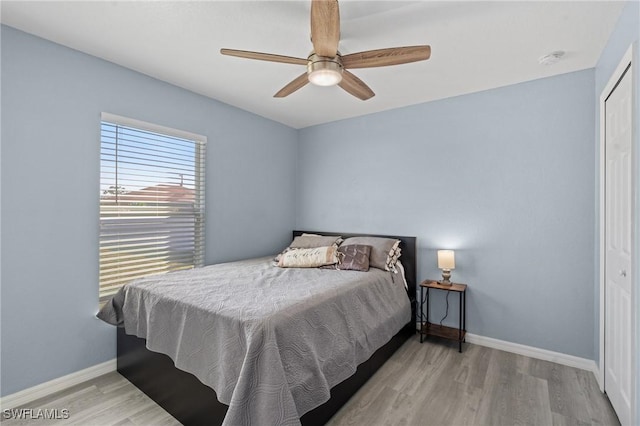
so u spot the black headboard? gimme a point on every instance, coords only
(408, 258)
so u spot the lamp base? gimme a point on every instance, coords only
(446, 275)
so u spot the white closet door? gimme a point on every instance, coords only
(618, 252)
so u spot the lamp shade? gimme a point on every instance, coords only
(446, 259)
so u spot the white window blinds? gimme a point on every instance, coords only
(151, 201)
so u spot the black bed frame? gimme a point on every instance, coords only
(193, 403)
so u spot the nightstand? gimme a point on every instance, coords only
(430, 329)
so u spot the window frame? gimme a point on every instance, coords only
(200, 143)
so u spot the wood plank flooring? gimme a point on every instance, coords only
(422, 384)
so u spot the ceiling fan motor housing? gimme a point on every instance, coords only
(324, 71)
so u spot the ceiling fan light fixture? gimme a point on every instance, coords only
(323, 71)
(325, 77)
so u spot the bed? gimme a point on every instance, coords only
(262, 389)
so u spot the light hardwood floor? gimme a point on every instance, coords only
(422, 384)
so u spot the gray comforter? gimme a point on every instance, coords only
(270, 341)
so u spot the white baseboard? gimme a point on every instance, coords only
(39, 391)
(599, 376)
(530, 351)
(44, 389)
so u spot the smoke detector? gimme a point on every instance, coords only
(551, 58)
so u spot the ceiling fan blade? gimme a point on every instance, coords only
(325, 27)
(264, 56)
(385, 57)
(355, 86)
(296, 84)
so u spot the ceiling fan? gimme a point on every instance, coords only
(325, 65)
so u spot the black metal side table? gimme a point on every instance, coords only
(430, 329)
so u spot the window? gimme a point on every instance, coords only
(151, 201)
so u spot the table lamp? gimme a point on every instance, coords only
(446, 262)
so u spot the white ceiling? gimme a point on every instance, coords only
(476, 45)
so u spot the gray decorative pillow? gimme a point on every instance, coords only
(354, 257)
(383, 250)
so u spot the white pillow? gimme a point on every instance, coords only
(309, 257)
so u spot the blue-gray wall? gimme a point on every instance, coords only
(52, 98)
(626, 32)
(504, 177)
